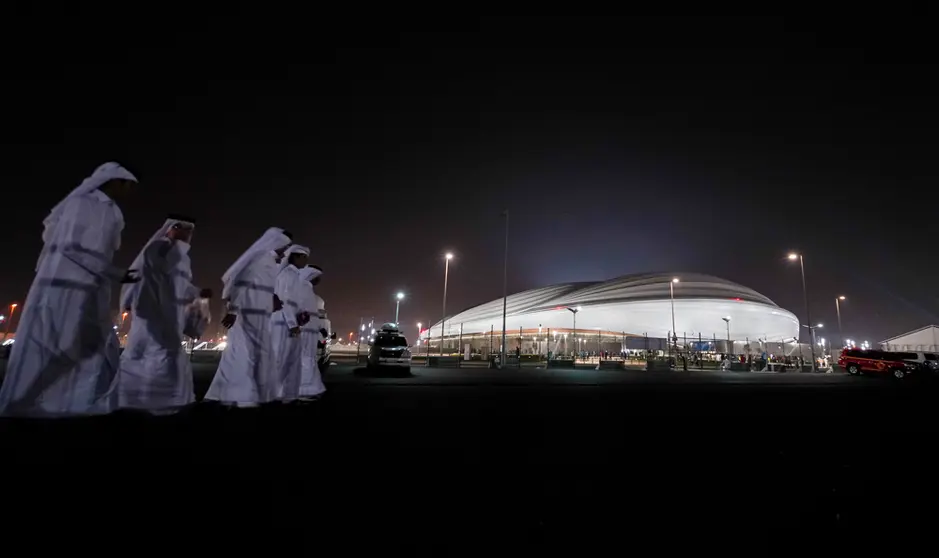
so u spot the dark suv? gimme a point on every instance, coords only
(897, 364)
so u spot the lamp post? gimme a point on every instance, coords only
(446, 274)
(671, 292)
(427, 343)
(813, 341)
(505, 282)
(838, 300)
(805, 295)
(399, 297)
(6, 331)
(574, 311)
(726, 319)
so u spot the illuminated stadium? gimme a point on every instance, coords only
(629, 306)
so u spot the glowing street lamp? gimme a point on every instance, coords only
(446, 275)
(805, 295)
(838, 301)
(399, 297)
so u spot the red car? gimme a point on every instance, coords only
(857, 362)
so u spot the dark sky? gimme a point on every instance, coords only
(618, 146)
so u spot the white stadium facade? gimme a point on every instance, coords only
(629, 306)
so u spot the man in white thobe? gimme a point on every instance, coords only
(286, 323)
(245, 376)
(155, 373)
(311, 382)
(65, 358)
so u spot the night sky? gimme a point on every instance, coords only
(618, 146)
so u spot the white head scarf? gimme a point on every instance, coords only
(294, 249)
(102, 174)
(309, 273)
(129, 291)
(272, 239)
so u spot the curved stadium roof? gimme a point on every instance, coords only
(630, 302)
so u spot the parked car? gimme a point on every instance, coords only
(389, 349)
(896, 364)
(928, 362)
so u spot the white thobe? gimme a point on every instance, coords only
(286, 349)
(311, 381)
(155, 373)
(65, 358)
(245, 376)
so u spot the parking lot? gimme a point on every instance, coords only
(472, 458)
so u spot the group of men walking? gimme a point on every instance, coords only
(66, 359)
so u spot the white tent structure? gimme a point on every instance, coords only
(924, 339)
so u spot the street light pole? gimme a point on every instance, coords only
(671, 291)
(805, 296)
(838, 300)
(726, 319)
(399, 298)
(505, 282)
(575, 311)
(446, 274)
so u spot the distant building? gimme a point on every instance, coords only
(924, 339)
(609, 313)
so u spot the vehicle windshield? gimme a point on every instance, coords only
(391, 341)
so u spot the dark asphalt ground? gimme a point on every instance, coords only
(570, 462)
